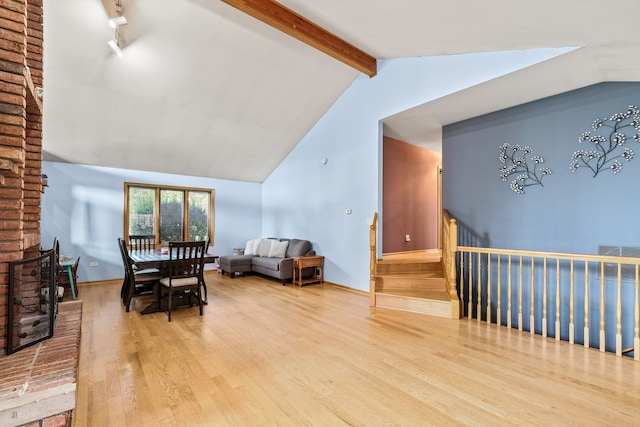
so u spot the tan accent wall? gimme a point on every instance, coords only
(410, 196)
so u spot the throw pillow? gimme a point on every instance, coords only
(278, 249)
(252, 247)
(264, 246)
(248, 249)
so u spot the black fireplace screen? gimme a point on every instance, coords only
(33, 299)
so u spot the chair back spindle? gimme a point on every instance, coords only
(142, 242)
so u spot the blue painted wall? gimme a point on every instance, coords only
(573, 212)
(304, 198)
(84, 207)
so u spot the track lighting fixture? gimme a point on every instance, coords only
(115, 23)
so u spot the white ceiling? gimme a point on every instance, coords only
(205, 90)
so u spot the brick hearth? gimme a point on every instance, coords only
(38, 384)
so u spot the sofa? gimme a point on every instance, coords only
(270, 257)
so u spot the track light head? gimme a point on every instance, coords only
(113, 44)
(117, 21)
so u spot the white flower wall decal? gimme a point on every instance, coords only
(609, 145)
(514, 162)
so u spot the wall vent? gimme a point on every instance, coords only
(611, 270)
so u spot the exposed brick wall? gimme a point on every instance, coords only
(21, 74)
(21, 71)
(33, 143)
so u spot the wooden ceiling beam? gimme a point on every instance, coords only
(284, 19)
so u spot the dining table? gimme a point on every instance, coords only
(158, 258)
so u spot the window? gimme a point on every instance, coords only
(171, 213)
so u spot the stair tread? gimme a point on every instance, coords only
(439, 295)
(412, 275)
(409, 261)
(429, 255)
(408, 268)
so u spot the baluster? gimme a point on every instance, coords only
(636, 315)
(532, 312)
(488, 288)
(462, 265)
(619, 313)
(586, 304)
(509, 295)
(602, 333)
(572, 331)
(557, 299)
(520, 296)
(544, 297)
(479, 290)
(470, 289)
(499, 304)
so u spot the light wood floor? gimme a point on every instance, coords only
(264, 354)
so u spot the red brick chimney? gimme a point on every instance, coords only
(21, 183)
(37, 384)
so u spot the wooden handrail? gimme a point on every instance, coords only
(561, 255)
(373, 259)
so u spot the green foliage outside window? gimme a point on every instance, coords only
(141, 203)
(198, 215)
(169, 223)
(171, 215)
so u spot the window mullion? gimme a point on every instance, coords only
(156, 214)
(185, 216)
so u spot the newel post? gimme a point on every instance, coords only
(449, 251)
(451, 258)
(372, 260)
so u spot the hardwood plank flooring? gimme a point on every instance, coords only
(264, 354)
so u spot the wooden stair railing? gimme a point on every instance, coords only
(591, 300)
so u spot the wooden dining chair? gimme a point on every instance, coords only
(136, 283)
(184, 277)
(204, 284)
(142, 242)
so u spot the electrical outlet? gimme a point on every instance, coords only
(407, 238)
(93, 263)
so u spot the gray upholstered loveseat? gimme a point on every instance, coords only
(271, 257)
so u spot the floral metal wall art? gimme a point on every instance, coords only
(514, 162)
(608, 144)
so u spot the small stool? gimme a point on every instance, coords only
(233, 264)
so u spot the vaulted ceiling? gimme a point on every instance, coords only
(204, 89)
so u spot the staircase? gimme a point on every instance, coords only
(412, 281)
(419, 281)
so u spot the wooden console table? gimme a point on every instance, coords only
(299, 263)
